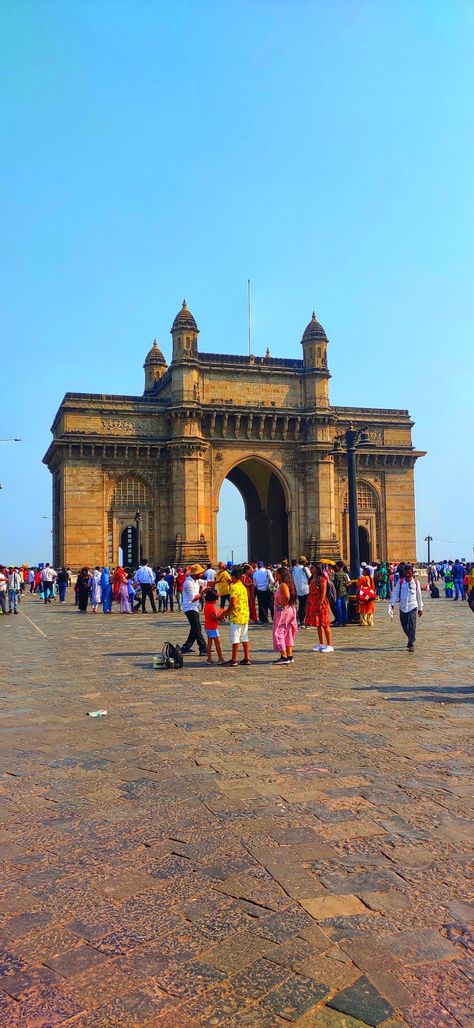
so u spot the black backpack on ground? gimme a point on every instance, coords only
(173, 655)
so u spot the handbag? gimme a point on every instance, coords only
(366, 593)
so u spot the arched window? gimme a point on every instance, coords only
(367, 499)
(130, 492)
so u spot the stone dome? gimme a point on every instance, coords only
(313, 331)
(155, 356)
(184, 320)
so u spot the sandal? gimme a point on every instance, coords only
(245, 662)
(230, 663)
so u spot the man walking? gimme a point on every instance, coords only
(408, 593)
(14, 586)
(48, 577)
(262, 580)
(190, 601)
(145, 576)
(458, 579)
(301, 576)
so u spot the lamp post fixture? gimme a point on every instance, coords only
(350, 441)
(138, 522)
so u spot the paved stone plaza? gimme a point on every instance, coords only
(256, 847)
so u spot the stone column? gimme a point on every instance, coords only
(190, 501)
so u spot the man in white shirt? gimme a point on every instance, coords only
(191, 597)
(209, 574)
(48, 576)
(263, 580)
(146, 578)
(301, 576)
(14, 585)
(408, 593)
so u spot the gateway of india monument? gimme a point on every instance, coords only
(265, 423)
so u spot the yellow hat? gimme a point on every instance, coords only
(196, 569)
(303, 558)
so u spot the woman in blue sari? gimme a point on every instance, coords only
(106, 591)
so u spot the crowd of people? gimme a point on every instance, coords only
(290, 596)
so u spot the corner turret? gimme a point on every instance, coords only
(155, 366)
(315, 360)
(184, 332)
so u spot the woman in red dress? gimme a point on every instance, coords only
(318, 611)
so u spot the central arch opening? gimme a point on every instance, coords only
(265, 509)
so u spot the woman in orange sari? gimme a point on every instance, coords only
(318, 612)
(366, 599)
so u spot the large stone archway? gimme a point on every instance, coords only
(264, 422)
(265, 502)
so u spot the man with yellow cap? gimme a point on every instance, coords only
(191, 597)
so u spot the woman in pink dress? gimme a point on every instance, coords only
(285, 625)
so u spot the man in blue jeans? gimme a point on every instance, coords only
(340, 580)
(458, 579)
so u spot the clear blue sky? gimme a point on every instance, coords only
(156, 150)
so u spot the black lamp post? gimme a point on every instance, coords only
(351, 440)
(138, 522)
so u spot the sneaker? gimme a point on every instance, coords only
(318, 649)
(283, 660)
(327, 649)
(290, 660)
(280, 660)
(410, 647)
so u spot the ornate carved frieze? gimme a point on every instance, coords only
(123, 426)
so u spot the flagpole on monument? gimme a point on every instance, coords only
(249, 316)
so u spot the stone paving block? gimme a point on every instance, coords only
(385, 902)
(10, 962)
(98, 986)
(370, 953)
(294, 997)
(295, 953)
(258, 978)
(421, 946)
(46, 1005)
(368, 881)
(362, 1000)
(237, 952)
(188, 979)
(22, 924)
(327, 1018)
(330, 971)
(36, 947)
(356, 829)
(440, 983)
(135, 1008)
(73, 961)
(391, 989)
(322, 907)
(15, 984)
(8, 1011)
